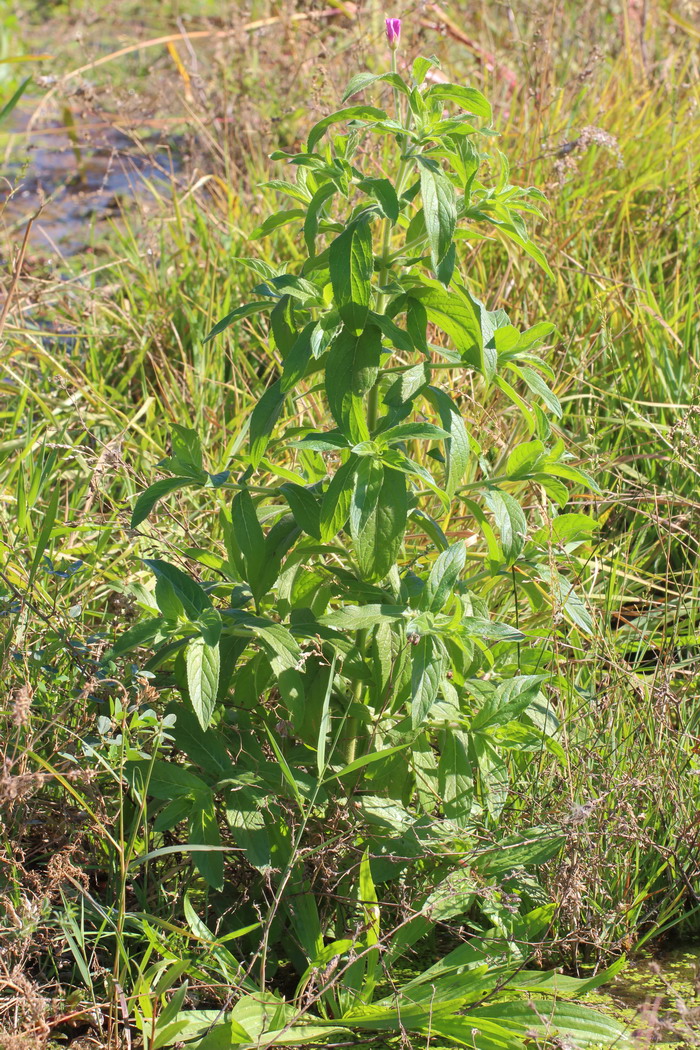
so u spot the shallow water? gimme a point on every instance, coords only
(659, 996)
(82, 170)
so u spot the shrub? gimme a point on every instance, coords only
(349, 709)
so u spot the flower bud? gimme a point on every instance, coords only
(393, 32)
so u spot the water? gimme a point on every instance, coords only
(83, 171)
(659, 996)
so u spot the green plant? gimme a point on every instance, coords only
(349, 697)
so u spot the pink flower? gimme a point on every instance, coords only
(393, 32)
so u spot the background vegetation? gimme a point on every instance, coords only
(103, 350)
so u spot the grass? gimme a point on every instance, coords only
(604, 114)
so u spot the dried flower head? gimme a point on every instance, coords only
(21, 704)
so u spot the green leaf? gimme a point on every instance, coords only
(360, 617)
(314, 212)
(204, 831)
(510, 699)
(563, 595)
(378, 515)
(363, 80)
(291, 189)
(440, 213)
(367, 896)
(210, 624)
(325, 721)
(538, 386)
(524, 459)
(510, 522)
(566, 528)
(14, 99)
(164, 780)
(559, 984)
(150, 497)
(335, 505)
(202, 678)
(167, 600)
(528, 246)
(351, 265)
(457, 314)
(411, 432)
(455, 777)
(493, 774)
(141, 634)
(367, 760)
(490, 630)
(249, 537)
(384, 193)
(398, 338)
(458, 447)
(305, 508)
(297, 359)
(468, 98)
(426, 672)
(273, 222)
(277, 542)
(445, 573)
(549, 1020)
(263, 419)
(513, 395)
(44, 536)
(421, 66)
(369, 113)
(528, 848)
(187, 448)
(351, 372)
(237, 315)
(369, 478)
(191, 594)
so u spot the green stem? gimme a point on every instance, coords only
(385, 259)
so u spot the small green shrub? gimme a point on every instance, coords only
(349, 709)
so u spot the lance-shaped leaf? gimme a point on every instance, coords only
(426, 671)
(297, 360)
(148, 499)
(202, 678)
(468, 98)
(351, 371)
(510, 522)
(262, 421)
(351, 263)
(364, 80)
(458, 315)
(458, 448)
(385, 195)
(440, 214)
(304, 506)
(417, 431)
(455, 777)
(274, 222)
(204, 831)
(248, 550)
(378, 514)
(369, 113)
(335, 504)
(313, 215)
(191, 594)
(446, 571)
(238, 314)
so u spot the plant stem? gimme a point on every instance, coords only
(385, 263)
